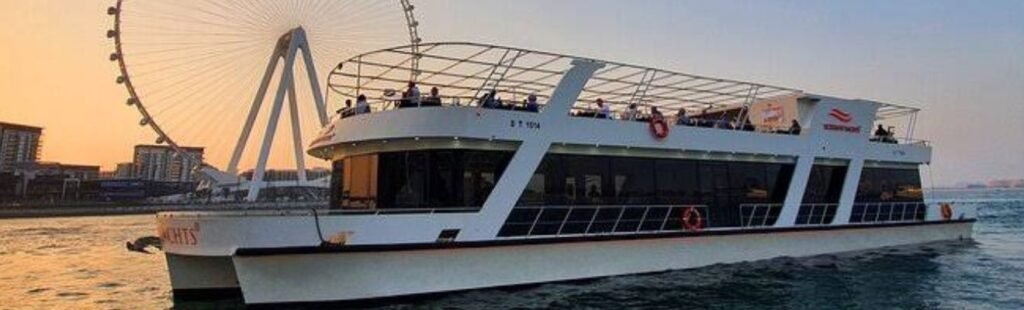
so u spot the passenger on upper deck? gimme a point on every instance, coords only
(531, 104)
(361, 105)
(434, 100)
(723, 123)
(682, 119)
(795, 128)
(413, 94)
(747, 125)
(630, 113)
(603, 111)
(347, 110)
(655, 114)
(884, 136)
(488, 100)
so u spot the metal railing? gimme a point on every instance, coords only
(888, 212)
(528, 221)
(304, 211)
(759, 214)
(816, 214)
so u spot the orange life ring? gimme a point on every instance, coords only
(947, 211)
(659, 128)
(692, 220)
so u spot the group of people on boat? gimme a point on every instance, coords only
(682, 118)
(411, 97)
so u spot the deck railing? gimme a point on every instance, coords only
(888, 212)
(528, 221)
(759, 214)
(816, 214)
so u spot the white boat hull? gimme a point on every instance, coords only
(358, 275)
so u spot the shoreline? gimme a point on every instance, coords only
(88, 210)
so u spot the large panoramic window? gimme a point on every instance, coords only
(889, 184)
(889, 194)
(417, 179)
(594, 194)
(825, 184)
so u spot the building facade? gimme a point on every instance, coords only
(162, 163)
(18, 144)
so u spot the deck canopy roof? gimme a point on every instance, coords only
(466, 71)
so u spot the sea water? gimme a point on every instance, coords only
(81, 263)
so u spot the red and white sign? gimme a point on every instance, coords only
(772, 114)
(843, 118)
(841, 115)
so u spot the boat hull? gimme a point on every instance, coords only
(326, 275)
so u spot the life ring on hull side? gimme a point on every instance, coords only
(692, 219)
(659, 128)
(946, 211)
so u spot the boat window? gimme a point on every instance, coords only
(825, 184)
(417, 179)
(359, 184)
(889, 184)
(596, 188)
(677, 182)
(585, 180)
(633, 180)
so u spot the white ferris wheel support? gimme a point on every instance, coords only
(288, 48)
(193, 52)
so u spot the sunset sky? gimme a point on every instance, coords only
(962, 62)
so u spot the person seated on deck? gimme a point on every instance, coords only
(682, 119)
(603, 110)
(531, 104)
(434, 100)
(630, 113)
(795, 128)
(747, 125)
(655, 114)
(413, 95)
(882, 135)
(487, 101)
(362, 106)
(404, 102)
(347, 110)
(723, 123)
(500, 104)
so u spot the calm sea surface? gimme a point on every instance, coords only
(81, 263)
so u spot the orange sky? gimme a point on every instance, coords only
(52, 75)
(962, 62)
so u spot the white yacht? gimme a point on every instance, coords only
(512, 174)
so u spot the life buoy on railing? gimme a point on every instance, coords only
(692, 219)
(659, 128)
(946, 211)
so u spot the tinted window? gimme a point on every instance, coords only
(825, 184)
(417, 179)
(586, 179)
(677, 182)
(888, 184)
(632, 180)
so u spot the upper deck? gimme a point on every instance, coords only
(721, 115)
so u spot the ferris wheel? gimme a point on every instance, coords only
(209, 73)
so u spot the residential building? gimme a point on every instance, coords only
(18, 144)
(163, 163)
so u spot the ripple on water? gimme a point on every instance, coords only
(110, 285)
(74, 295)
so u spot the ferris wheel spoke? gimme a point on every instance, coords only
(194, 67)
(189, 10)
(174, 85)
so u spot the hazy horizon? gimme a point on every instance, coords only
(961, 62)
